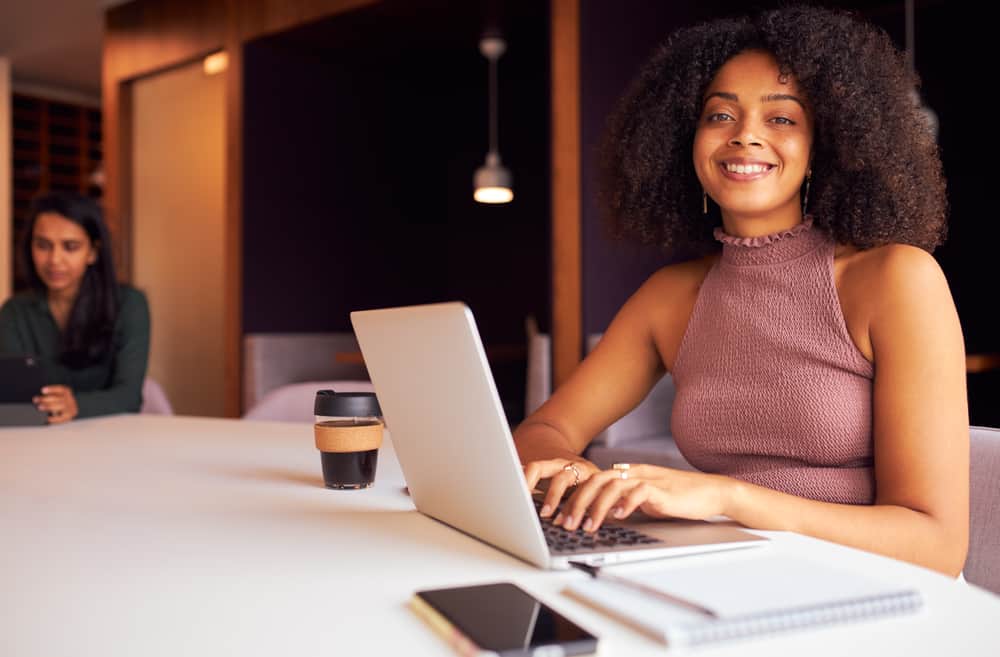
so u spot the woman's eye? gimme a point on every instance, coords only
(71, 246)
(783, 120)
(718, 116)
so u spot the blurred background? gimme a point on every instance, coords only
(267, 166)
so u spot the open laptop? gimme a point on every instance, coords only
(450, 434)
(21, 378)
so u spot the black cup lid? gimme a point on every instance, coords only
(330, 403)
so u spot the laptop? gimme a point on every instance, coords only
(455, 448)
(21, 378)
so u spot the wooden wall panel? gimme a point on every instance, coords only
(180, 242)
(260, 17)
(567, 316)
(141, 38)
(146, 36)
(232, 328)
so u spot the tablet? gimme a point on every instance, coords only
(21, 378)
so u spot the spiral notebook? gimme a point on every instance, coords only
(750, 597)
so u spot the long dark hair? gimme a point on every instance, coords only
(90, 327)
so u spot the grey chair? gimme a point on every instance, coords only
(538, 382)
(154, 399)
(273, 360)
(982, 566)
(642, 436)
(294, 402)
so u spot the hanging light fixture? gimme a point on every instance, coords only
(493, 181)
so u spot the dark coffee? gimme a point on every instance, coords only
(349, 469)
(348, 451)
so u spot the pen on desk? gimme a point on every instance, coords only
(598, 573)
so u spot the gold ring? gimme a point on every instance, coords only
(622, 469)
(576, 473)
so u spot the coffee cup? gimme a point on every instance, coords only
(348, 434)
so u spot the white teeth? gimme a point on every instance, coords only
(748, 168)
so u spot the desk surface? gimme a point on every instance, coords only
(150, 535)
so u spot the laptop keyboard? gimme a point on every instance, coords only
(562, 541)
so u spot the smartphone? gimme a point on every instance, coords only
(501, 619)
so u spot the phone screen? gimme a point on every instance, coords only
(505, 619)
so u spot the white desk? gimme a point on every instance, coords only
(148, 535)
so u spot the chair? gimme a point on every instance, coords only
(272, 360)
(538, 383)
(982, 567)
(294, 402)
(154, 399)
(641, 436)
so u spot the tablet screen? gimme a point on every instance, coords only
(21, 378)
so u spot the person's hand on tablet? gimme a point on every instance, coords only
(562, 475)
(59, 402)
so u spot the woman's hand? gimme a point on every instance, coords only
(58, 402)
(562, 474)
(658, 492)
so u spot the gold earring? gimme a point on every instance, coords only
(704, 202)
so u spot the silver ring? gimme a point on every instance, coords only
(622, 469)
(576, 473)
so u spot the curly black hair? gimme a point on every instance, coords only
(876, 170)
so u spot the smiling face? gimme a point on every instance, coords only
(61, 251)
(753, 144)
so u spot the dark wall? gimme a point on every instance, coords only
(362, 135)
(618, 35)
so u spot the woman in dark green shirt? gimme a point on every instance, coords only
(91, 332)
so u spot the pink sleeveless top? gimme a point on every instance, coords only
(770, 387)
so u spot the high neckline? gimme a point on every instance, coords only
(778, 247)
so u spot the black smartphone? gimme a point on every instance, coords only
(501, 619)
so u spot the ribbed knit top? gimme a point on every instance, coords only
(770, 386)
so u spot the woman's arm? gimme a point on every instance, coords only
(921, 430)
(124, 395)
(921, 441)
(610, 382)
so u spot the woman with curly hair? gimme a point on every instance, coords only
(815, 347)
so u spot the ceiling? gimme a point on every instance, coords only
(57, 43)
(54, 43)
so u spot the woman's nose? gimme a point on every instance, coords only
(744, 139)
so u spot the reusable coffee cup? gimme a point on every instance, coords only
(348, 433)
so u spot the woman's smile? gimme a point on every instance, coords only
(746, 172)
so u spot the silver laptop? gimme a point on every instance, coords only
(450, 434)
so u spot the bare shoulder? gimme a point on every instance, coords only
(665, 302)
(681, 278)
(896, 272)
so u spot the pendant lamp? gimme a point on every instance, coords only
(492, 182)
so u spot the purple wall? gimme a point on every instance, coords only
(362, 134)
